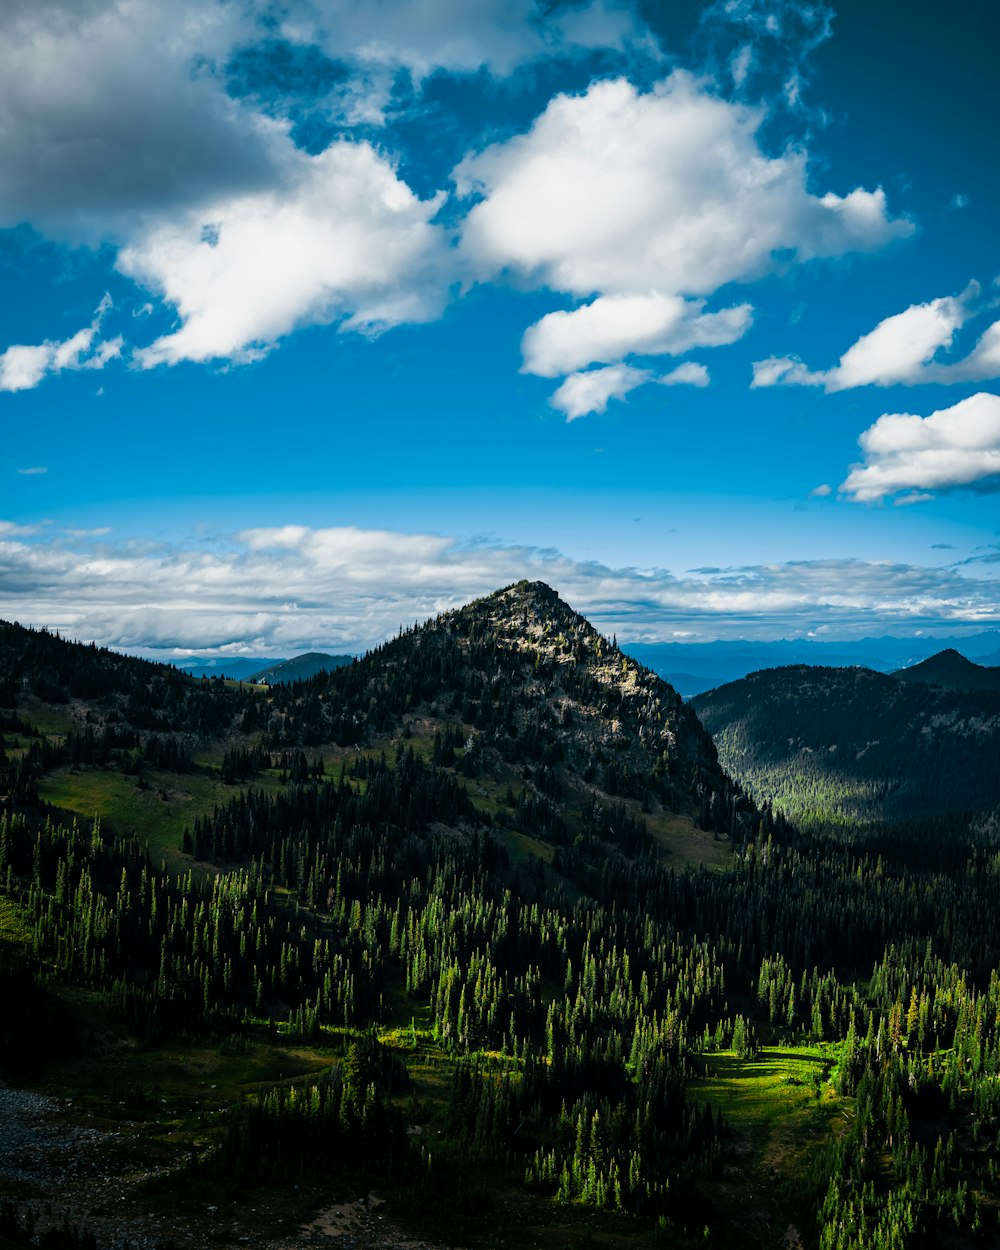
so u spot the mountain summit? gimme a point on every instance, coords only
(529, 689)
(953, 671)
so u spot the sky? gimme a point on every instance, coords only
(319, 317)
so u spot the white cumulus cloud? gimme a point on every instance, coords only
(950, 449)
(649, 201)
(904, 349)
(618, 190)
(592, 391)
(690, 373)
(615, 326)
(346, 239)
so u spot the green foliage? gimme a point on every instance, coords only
(337, 1124)
(469, 917)
(852, 751)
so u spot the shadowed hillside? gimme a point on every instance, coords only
(858, 751)
(953, 671)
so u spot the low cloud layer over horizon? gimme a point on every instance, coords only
(296, 588)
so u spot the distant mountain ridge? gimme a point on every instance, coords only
(299, 668)
(694, 667)
(241, 669)
(688, 685)
(953, 671)
(852, 749)
(259, 669)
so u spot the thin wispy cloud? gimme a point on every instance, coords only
(22, 367)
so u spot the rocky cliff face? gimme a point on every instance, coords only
(523, 682)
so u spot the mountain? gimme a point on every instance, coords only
(481, 915)
(952, 671)
(854, 750)
(301, 668)
(713, 663)
(534, 687)
(241, 669)
(435, 853)
(688, 685)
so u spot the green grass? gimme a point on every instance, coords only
(47, 718)
(13, 922)
(781, 1110)
(158, 810)
(180, 1084)
(782, 1101)
(524, 847)
(686, 845)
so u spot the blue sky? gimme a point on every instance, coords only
(324, 315)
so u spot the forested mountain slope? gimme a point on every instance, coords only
(299, 668)
(859, 751)
(477, 923)
(537, 687)
(952, 670)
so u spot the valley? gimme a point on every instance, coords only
(475, 942)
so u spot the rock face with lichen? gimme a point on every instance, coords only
(519, 680)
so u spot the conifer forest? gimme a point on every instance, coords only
(474, 943)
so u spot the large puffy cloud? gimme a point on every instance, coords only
(116, 110)
(650, 200)
(615, 326)
(111, 110)
(287, 589)
(904, 349)
(115, 125)
(951, 449)
(619, 190)
(344, 238)
(23, 366)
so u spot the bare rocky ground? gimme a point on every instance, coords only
(93, 1179)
